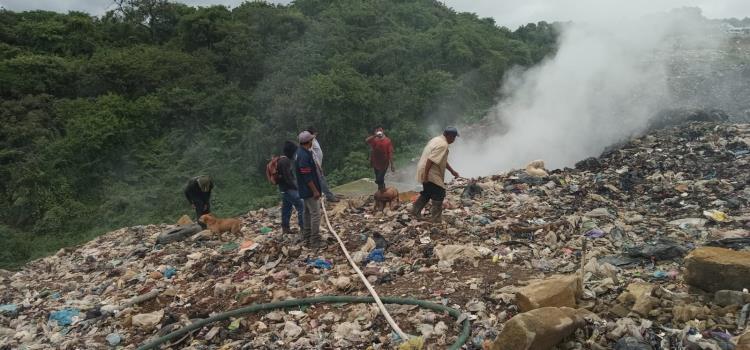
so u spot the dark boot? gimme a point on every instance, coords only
(436, 212)
(416, 209)
(316, 242)
(285, 230)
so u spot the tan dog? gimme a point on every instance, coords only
(220, 225)
(388, 196)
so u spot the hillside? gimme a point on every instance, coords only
(637, 218)
(105, 118)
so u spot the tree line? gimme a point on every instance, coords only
(105, 118)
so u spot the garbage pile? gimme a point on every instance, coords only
(645, 247)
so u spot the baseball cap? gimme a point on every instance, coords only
(305, 137)
(451, 130)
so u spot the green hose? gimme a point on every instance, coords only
(308, 301)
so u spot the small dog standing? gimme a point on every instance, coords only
(388, 196)
(217, 226)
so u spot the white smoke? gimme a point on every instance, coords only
(606, 81)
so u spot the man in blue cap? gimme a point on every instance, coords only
(308, 184)
(431, 173)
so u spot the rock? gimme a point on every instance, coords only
(113, 339)
(149, 320)
(454, 252)
(342, 283)
(684, 313)
(349, 331)
(731, 297)
(639, 295)
(184, 220)
(292, 330)
(541, 328)
(713, 269)
(556, 291)
(222, 290)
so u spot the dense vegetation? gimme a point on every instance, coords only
(105, 118)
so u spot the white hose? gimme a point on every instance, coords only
(388, 317)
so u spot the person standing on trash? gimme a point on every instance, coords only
(288, 188)
(318, 154)
(308, 184)
(431, 173)
(381, 156)
(198, 193)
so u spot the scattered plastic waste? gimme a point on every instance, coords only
(64, 317)
(265, 230)
(660, 274)
(8, 309)
(595, 233)
(716, 215)
(234, 325)
(376, 255)
(248, 245)
(320, 263)
(169, 272)
(228, 247)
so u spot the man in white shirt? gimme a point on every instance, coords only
(431, 173)
(318, 156)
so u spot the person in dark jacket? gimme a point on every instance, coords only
(308, 184)
(198, 193)
(288, 188)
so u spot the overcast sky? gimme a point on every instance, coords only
(510, 13)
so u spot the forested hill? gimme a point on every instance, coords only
(105, 118)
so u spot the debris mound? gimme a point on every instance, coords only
(644, 247)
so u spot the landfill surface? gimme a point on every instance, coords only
(614, 237)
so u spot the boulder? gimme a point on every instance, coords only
(556, 291)
(685, 313)
(540, 329)
(713, 269)
(149, 320)
(639, 295)
(731, 297)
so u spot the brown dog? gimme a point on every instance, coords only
(220, 225)
(388, 196)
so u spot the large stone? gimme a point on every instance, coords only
(556, 291)
(713, 269)
(149, 320)
(684, 313)
(639, 295)
(731, 297)
(540, 329)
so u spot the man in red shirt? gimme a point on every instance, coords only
(381, 156)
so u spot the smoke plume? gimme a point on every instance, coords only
(605, 83)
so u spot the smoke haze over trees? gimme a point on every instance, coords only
(105, 118)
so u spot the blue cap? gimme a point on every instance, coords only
(451, 130)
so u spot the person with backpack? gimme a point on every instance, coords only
(198, 193)
(284, 178)
(308, 184)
